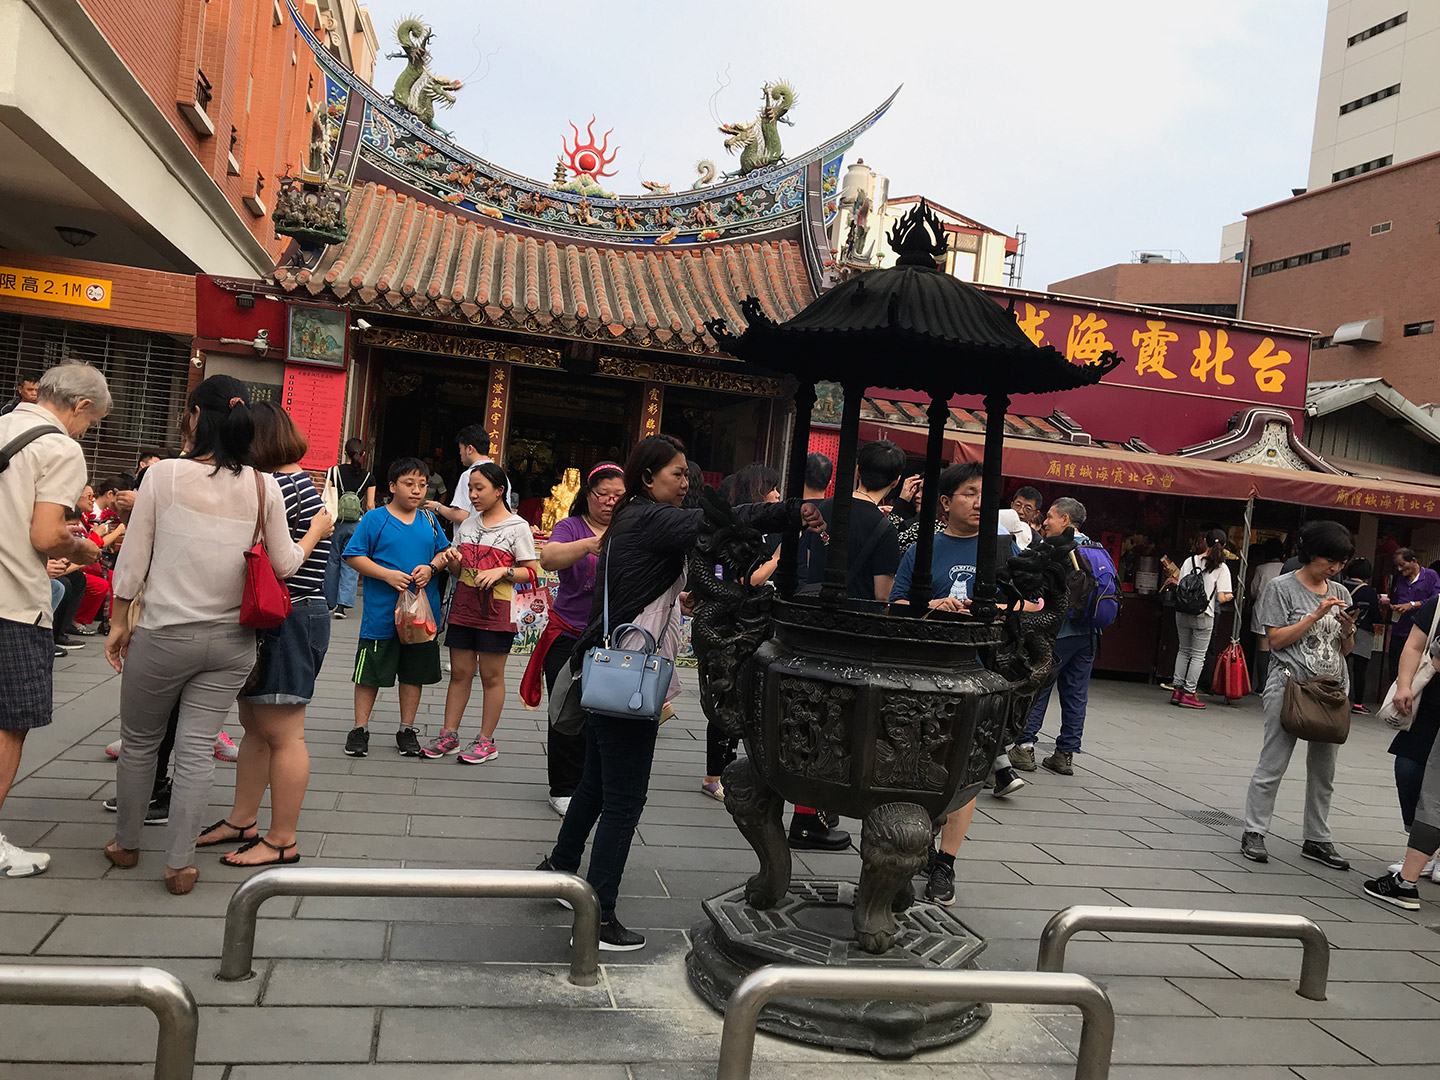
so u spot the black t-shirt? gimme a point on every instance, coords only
(357, 479)
(882, 560)
(1415, 744)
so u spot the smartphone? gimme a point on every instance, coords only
(1353, 611)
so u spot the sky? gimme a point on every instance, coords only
(1098, 127)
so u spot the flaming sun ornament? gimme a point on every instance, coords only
(586, 161)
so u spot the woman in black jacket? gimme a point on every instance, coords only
(643, 566)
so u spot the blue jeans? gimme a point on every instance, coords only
(340, 579)
(57, 593)
(1076, 656)
(612, 791)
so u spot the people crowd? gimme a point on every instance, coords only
(161, 565)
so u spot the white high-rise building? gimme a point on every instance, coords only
(1379, 100)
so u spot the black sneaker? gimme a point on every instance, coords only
(1324, 853)
(157, 813)
(941, 888)
(407, 742)
(1006, 781)
(339, 613)
(808, 833)
(357, 743)
(69, 641)
(1252, 846)
(929, 867)
(1393, 889)
(615, 938)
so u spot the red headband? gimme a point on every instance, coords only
(602, 467)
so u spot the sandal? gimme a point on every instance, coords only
(283, 860)
(714, 788)
(225, 824)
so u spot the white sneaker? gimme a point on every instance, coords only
(559, 803)
(1431, 868)
(113, 750)
(225, 748)
(15, 862)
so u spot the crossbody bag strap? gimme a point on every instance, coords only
(605, 596)
(260, 514)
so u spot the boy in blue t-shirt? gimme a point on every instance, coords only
(396, 547)
(952, 587)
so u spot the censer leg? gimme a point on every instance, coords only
(758, 812)
(894, 841)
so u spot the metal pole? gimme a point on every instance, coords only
(986, 556)
(238, 951)
(786, 578)
(1314, 966)
(920, 585)
(159, 991)
(1097, 1031)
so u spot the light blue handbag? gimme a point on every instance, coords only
(624, 682)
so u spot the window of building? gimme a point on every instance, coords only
(1415, 329)
(1356, 170)
(1378, 28)
(1369, 99)
(1335, 251)
(1383, 227)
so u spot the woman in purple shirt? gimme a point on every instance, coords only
(572, 552)
(1414, 584)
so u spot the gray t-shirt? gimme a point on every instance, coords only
(1318, 652)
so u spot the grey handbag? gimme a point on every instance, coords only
(624, 682)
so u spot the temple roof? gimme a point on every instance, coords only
(415, 259)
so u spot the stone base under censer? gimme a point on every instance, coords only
(813, 924)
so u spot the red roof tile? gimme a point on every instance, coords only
(405, 256)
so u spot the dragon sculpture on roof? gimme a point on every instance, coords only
(418, 89)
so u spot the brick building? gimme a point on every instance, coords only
(145, 138)
(1200, 288)
(1358, 261)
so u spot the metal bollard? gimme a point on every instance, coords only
(1314, 965)
(238, 951)
(159, 991)
(1097, 1031)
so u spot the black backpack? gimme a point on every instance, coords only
(1192, 597)
(24, 439)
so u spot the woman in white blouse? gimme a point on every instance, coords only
(193, 521)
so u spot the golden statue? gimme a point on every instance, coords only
(562, 497)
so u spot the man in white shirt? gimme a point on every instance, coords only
(43, 476)
(471, 437)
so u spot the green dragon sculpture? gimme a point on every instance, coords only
(758, 140)
(418, 89)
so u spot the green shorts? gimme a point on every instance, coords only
(380, 663)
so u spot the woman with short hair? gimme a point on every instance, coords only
(1311, 633)
(282, 684)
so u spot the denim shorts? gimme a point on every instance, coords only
(289, 656)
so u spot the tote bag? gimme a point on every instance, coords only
(266, 601)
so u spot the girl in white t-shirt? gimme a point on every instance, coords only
(1195, 631)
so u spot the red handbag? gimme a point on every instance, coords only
(266, 602)
(1232, 678)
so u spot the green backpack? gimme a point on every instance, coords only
(349, 507)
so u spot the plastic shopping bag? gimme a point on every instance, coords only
(414, 621)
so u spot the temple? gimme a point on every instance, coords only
(569, 317)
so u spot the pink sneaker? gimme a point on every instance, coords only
(480, 751)
(225, 748)
(447, 742)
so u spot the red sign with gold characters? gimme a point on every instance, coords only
(315, 400)
(1170, 351)
(497, 414)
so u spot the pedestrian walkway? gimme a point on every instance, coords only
(375, 989)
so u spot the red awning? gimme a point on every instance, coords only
(1062, 463)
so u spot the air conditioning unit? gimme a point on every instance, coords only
(1153, 257)
(1360, 332)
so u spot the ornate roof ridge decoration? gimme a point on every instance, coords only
(918, 238)
(377, 139)
(405, 257)
(911, 328)
(1262, 437)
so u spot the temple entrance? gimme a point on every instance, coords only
(723, 432)
(559, 421)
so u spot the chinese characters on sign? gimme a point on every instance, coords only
(1400, 504)
(55, 288)
(315, 400)
(1113, 474)
(497, 408)
(1229, 361)
(652, 403)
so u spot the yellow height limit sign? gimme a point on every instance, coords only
(55, 288)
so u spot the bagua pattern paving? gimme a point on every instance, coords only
(375, 989)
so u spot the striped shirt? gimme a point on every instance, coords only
(302, 503)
